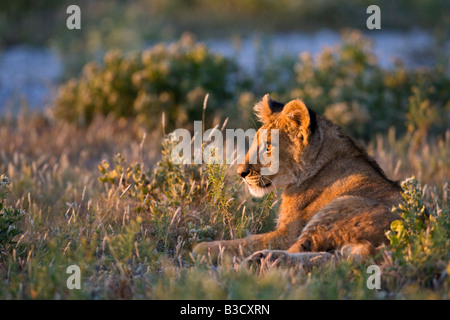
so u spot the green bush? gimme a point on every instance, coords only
(347, 85)
(173, 79)
(167, 195)
(187, 203)
(420, 240)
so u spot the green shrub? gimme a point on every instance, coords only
(173, 79)
(187, 203)
(347, 85)
(167, 195)
(420, 241)
(233, 218)
(9, 216)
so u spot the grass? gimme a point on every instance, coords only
(129, 222)
(104, 194)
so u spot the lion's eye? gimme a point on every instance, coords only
(268, 148)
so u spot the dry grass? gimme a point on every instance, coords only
(72, 218)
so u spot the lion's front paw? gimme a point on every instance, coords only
(267, 258)
(208, 249)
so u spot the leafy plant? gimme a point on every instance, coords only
(420, 241)
(165, 78)
(193, 202)
(347, 84)
(168, 194)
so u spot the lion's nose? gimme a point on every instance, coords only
(243, 170)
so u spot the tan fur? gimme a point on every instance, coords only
(335, 196)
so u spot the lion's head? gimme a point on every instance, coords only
(297, 145)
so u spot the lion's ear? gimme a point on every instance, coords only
(297, 112)
(266, 107)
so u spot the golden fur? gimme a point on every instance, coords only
(335, 199)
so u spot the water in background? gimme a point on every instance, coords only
(32, 74)
(28, 75)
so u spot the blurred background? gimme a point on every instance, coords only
(38, 52)
(135, 60)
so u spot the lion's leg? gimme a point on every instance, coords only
(308, 260)
(303, 260)
(236, 247)
(314, 245)
(281, 238)
(349, 227)
(357, 251)
(352, 223)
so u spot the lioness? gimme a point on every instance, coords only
(336, 198)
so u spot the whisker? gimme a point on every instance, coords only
(291, 173)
